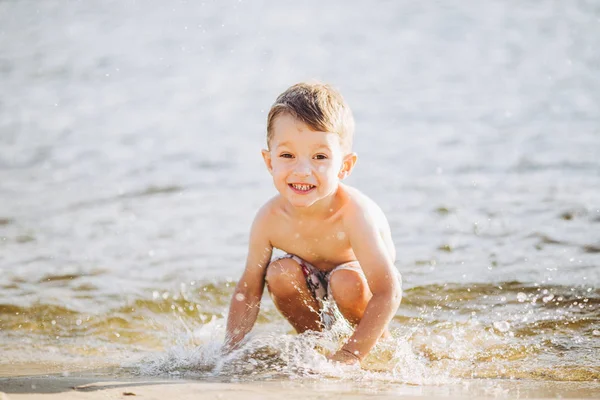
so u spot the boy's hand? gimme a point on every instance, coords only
(227, 347)
(344, 357)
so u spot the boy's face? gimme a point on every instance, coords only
(306, 165)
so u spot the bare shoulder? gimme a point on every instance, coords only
(360, 207)
(266, 215)
(269, 208)
(363, 215)
(260, 243)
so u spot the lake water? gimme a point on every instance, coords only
(130, 171)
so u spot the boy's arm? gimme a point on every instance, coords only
(377, 263)
(245, 302)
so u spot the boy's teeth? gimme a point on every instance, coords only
(301, 187)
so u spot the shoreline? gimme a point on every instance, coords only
(95, 385)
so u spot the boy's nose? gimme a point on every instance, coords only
(302, 169)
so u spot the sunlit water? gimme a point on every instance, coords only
(130, 172)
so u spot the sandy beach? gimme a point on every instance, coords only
(88, 386)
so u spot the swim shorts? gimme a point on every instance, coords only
(317, 280)
(318, 284)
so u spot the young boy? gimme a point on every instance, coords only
(338, 241)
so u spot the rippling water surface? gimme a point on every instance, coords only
(130, 172)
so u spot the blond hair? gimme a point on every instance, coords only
(319, 106)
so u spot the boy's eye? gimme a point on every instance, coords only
(320, 156)
(285, 155)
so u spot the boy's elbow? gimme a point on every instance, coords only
(391, 295)
(395, 296)
(394, 293)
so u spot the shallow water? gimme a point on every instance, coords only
(130, 172)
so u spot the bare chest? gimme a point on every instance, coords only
(323, 244)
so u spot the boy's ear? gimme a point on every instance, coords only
(347, 165)
(267, 157)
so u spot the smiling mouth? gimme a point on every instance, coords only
(301, 187)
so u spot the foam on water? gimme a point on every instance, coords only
(275, 355)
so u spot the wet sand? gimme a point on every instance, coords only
(88, 386)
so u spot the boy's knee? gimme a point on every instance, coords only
(347, 287)
(282, 276)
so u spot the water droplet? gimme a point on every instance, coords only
(240, 297)
(521, 297)
(502, 326)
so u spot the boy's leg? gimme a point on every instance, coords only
(350, 291)
(291, 295)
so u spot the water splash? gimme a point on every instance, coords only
(274, 355)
